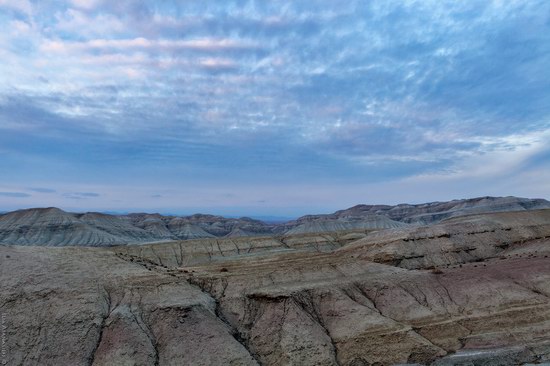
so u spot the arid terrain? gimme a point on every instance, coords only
(54, 227)
(275, 183)
(456, 283)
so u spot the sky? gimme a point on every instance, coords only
(271, 107)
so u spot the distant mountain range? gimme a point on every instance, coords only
(55, 227)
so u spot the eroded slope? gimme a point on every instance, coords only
(471, 289)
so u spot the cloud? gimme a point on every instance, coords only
(218, 64)
(42, 190)
(301, 91)
(15, 194)
(22, 6)
(140, 43)
(87, 194)
(86, 4)
(89, 25)
(81, 195)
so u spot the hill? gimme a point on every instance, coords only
(54, 227)
(469, 290)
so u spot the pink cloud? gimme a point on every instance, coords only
(86, 4)
(204, 44)
(217, 63)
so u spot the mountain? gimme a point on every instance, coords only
(54, 227)
(316, 224)
(469, 290)
(386, 216)
(429, 213)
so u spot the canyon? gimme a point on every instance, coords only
(443, 288)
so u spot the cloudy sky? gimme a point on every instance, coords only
(271, 107)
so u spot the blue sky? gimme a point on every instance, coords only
(271, 107)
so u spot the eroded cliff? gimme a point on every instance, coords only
(470, 289)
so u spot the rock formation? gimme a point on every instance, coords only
(319, 224)
(430, 213)
(471, 290)
(54, 227)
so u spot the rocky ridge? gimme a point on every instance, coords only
(54, 227)
(422, 214)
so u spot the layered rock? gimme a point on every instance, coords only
(152, 223)
(471, 290)
(319, 224)
(492, 304)
(86, 306)
(429, 213)
(455, 241)
(52, 226)
(58, 228)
